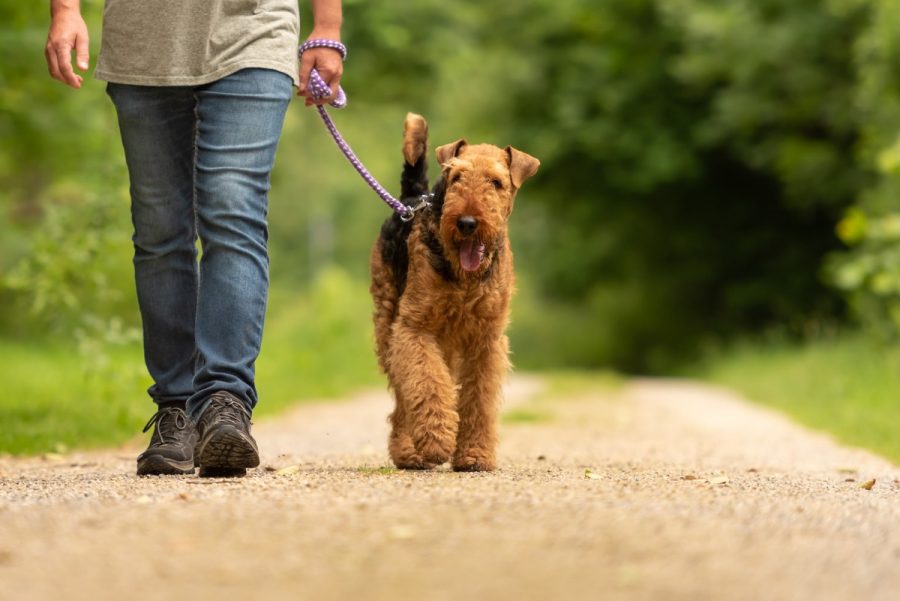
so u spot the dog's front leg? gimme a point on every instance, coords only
(423, 385)
(481, 378)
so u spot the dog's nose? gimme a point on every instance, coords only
(466, 225)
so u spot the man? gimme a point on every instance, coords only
(200, 90)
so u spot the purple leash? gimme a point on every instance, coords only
(319, 89)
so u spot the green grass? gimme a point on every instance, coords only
(848, 386)
(559, 386)
(385, 470)
(54, 399)
(527, 416)
(317, 345)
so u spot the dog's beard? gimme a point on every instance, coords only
(471, 254)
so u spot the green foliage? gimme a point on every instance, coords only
(318, 344)
(870, 273)
(847, 386)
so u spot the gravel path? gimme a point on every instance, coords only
(657, 490)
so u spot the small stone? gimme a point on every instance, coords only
(288, 471)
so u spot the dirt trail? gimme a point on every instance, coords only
(691, 494)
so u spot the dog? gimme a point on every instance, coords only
(441, 285)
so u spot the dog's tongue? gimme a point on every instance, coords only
(471, 254)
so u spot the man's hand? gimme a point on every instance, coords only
(327, 18)
(68, 32)
(327, 62)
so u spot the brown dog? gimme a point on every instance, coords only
(441, 284)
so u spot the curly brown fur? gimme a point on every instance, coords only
(441, 285)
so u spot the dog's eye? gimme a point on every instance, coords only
(498, 185)
(454, 179)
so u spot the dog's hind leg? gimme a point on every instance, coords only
(481, 380)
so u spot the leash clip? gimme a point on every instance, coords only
(410, 212)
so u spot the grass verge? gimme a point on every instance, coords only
(560, 385)
(848, 386)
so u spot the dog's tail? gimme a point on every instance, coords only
(414, 180)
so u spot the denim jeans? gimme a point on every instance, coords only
(199, 160)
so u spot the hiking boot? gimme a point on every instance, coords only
(226, 448)
(171, 449)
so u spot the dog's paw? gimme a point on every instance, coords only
(473, 462)
(434, 450)
(404, 454)
(412, 463)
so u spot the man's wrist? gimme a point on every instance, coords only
(326, 32)
(62, 6)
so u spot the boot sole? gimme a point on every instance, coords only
(158, 465)
(226, 452)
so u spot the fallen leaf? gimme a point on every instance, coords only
(52, 457)
(718, 480)
(589, 475)
(270, 468)
(288, 471)
(542, 458)
(401, 532)
(868, 484)
(689, 477)
(753, 470)
(847, 470)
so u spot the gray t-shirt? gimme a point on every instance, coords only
(192, 42)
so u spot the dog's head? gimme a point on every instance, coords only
(480, 184)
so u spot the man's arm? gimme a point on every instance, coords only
(327, 19)
(68, 31)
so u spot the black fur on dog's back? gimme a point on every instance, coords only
(395, 231)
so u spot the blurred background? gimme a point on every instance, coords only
(718, 197)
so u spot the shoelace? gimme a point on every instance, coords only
(167, 427)
(232, 417)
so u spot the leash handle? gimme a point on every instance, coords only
(318, 89)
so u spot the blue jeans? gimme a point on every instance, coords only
(199, 159)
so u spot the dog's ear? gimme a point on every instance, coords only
(521, 166)
(448, 151)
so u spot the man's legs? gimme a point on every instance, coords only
(206, 151)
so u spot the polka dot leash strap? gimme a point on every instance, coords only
(318, 90)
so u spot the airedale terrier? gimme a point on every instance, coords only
(441, 284)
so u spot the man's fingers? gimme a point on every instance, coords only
(306, 64)
(64, 61)
(52, 66)
(82, 51)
